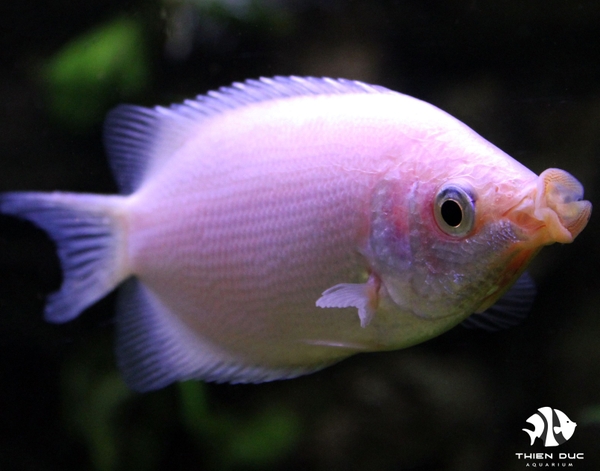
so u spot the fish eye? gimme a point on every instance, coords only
(454, 210)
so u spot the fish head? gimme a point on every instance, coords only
(450, 243)
(567, 426)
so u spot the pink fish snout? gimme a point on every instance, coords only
(560, 205)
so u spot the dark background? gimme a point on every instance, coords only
(525, 74)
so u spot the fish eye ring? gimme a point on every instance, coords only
(454, 210)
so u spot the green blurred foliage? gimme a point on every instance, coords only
(123, 431)
(265, 14)
(94, 395)
(256, 441)
(94, 70)
(590, 415)
(93, 413)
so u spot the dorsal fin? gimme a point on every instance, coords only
(138, 139)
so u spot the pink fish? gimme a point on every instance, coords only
(277, 226)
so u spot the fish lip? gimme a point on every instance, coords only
(553, 211)
(561, 205)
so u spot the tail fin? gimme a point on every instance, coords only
(90, 241)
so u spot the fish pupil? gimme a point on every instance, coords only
(451, 213)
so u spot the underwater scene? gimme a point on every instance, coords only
(286, 281)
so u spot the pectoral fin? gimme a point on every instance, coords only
(363, 296)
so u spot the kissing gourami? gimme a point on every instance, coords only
(277, 226)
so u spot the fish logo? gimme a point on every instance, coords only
(550, 425)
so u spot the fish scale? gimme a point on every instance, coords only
(239, 270)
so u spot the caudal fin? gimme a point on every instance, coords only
(89, 239)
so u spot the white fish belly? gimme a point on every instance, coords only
(241, 257)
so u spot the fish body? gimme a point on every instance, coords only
(256, 222)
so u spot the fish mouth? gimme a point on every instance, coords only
(555, 211)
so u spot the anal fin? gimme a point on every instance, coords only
(155, 348)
